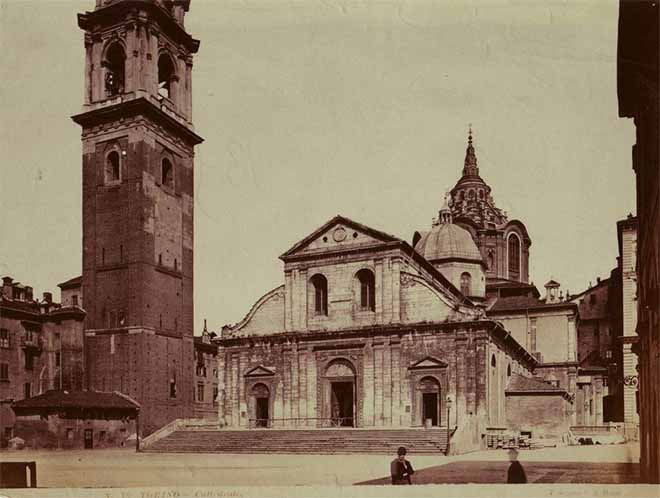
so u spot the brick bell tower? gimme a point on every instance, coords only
(138, 147)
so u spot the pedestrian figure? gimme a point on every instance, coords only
(516, 474)
(401, 469)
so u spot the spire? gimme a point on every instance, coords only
(470, 166)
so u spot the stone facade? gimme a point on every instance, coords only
(638, 77)
(41, 348)
(138, 142)
(315, 353)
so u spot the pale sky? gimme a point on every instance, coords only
(312, 109)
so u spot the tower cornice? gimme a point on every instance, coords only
(136, 106)
(107, 14)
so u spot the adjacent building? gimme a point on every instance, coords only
(638, 76)
(627, 272)
(206, 376)
(41, 348)
(61, 419)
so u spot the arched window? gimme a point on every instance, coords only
(508, 370)
(466, 284)
(167, 173)
(115, 63)
(514, 253)
(493, 362)
(367, 289)
(166, 75)
(320, 294)
(112, 170)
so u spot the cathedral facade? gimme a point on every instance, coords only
(370, 331)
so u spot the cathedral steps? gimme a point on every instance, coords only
(322, 441)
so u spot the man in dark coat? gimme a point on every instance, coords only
(401, 469)
(516, 474)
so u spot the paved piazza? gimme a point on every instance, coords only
(208, 473)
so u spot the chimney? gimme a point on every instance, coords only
(48, 297)
(7, 290)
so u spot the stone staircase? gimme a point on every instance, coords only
(319, 441)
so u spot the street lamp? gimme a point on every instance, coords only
(449, 400)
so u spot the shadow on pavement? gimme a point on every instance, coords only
(485, 472)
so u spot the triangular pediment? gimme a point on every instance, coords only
(428, 363)
(337, 234)
(260, 371)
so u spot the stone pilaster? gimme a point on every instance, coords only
(481, 376)
(312, 411)
(368, 385)
(396, 384)
(233, 388)
(286, 387)
(288, 301)
(396, 291)
(221, 387)
(460, 399)
(404, 378)
(387, 384)
(378, 385)
(302, 386)
(378, 277)
(294, 379)
(242, 397)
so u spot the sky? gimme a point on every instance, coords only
(313, 109)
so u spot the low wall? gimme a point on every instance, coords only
(545, 415)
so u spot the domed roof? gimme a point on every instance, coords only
(448, 241)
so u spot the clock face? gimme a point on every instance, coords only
(339, 234)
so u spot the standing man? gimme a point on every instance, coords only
(401, 469)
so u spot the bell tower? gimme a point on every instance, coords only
(138, 147)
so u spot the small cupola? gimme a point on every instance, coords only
(552, 291)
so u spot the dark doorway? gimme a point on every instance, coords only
(89, 439)
(430, 408)
(342, 404)
(262, 412)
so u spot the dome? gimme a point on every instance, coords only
(448, 241)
